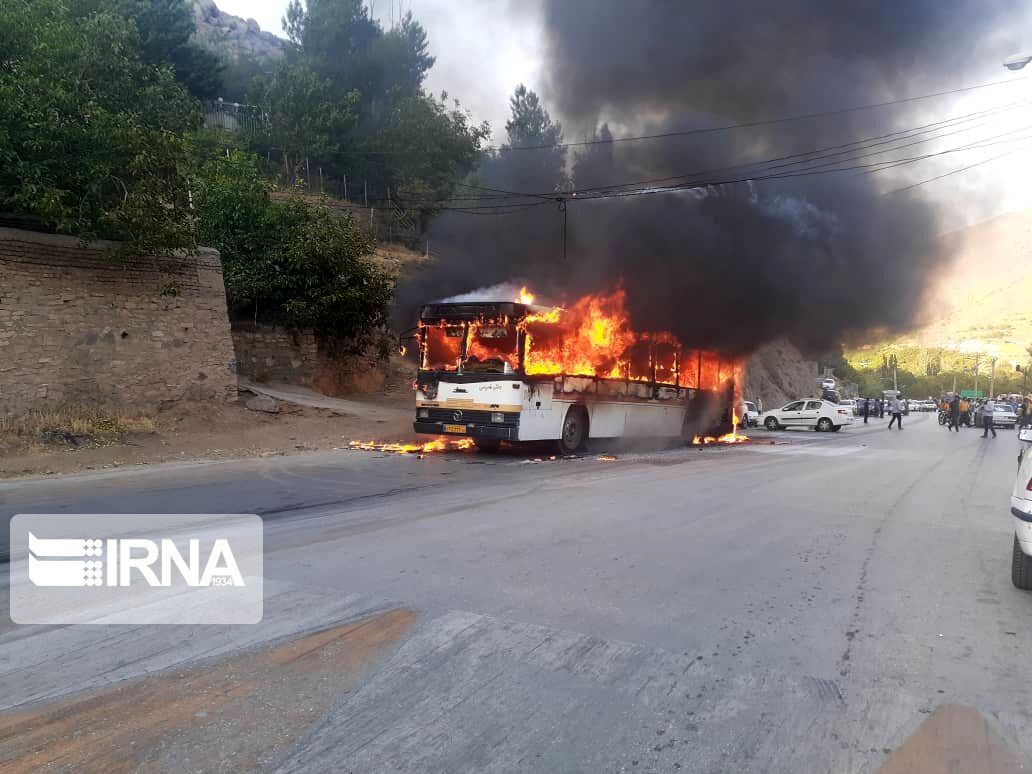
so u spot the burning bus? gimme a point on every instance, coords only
(516, 371)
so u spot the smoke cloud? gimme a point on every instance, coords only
(729, 266)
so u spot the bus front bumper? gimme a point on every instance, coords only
(472, 430)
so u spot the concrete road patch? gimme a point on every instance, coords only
(238, 713)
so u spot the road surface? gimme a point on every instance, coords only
(832, 602)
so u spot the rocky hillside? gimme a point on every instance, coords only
(777, 373)
(234, 38)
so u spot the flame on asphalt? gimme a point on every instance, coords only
(427, 447)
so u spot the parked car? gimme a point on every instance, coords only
(1002, 417)
(750, 414)
(1021, 510)
(809, 412)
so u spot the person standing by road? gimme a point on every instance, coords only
(954, 414)
(896, 407)
(988, 408)
(867, 409)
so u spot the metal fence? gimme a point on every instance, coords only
(234, 117)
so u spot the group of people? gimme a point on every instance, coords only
(959, 410)
(876, 407)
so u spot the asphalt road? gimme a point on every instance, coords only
(824, 603)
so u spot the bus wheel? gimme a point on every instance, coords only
(489, 445)
(575, 430)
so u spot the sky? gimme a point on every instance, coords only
(484, 49)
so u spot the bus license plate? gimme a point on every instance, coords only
(454, 428)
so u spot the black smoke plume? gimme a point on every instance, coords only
(730, 266)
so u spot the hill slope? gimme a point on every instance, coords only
(982, 304)
(235, 38)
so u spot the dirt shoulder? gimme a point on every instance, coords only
(282, 420)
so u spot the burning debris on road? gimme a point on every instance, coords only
(427, 447)
(734, 437)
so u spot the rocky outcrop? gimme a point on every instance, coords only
(777, 373)
(233, 37)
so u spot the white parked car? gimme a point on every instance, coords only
(749, 413)
(1021, 509)
(1002, 417)
(810, 413)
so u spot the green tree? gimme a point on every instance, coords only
(165, 28)
(91, 136)
(542, 169)
(341, 41)
(288, 262)
(440, 146)
(404, 141)
(303, 118)
(530, 123)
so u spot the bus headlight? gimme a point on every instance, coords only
(497, 416)
(423, 413)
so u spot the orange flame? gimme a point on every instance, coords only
(525, 296)
(436, 445)
(593, 337)
(728, 438)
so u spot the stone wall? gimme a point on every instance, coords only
(267, 353)
(80, 326)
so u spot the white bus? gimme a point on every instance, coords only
(477, 378)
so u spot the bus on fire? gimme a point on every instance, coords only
(508, 371)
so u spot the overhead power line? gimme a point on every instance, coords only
(721, 128)
(958, 170)
(760, 169)
(767, 122)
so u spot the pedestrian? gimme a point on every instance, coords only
(867, 409)
(896, 407)
(954, 414)
(988, 408)
(880, 403)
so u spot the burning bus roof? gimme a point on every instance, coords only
(476, 310)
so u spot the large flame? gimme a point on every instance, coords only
(593, 337)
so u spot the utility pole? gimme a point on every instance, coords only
(992, 379)
(977, 356)
(562, 208)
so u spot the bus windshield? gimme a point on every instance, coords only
(473, 347)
